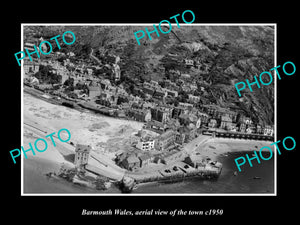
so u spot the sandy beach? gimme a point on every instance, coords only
(85, 127)
(105, 134)
(214, 147)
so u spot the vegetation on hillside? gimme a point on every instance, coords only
(224, 55)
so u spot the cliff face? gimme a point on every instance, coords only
(225, 55)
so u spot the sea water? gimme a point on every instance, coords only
(256, 179)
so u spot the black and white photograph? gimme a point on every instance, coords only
(128, 113)
(159, 116)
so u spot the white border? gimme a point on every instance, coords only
(155, 194)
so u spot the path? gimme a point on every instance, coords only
(94, 57)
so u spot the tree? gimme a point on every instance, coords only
(69, 82)
(61, 59)
(162, 84)
(44, 75)
(55, 79)
(182, 96)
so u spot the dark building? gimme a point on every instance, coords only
(157, 114)
(176, 112)
(148, 90)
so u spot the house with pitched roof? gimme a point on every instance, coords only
(128, 161)
(166, 140)
(226, 122)
(94, 91)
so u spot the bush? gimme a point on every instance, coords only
(44, 75)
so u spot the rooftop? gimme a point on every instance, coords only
(132, 159)
(166, 134)
(82, 148)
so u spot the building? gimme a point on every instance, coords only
(212, 123)
(233, 127)
(81, 155)
(159, 94)
(148, 90)
(154, 83)
(248, 121)
(186, 87)
(137, 114)
(189, 62)
(243, 127)
(184, 118)
(33, 80)
(31, 67)
(71, 54)
(185, 76)
(259, 129)
(156, 126)
(145, 143)
(148, 115)
(29, 46)
(193, 87)
(171, 93)
(171, 156)
(166, 140)
(185, 105)
(129, 161)
(250, 129)
(105, 84)
(226, 122)
(176, 112)
(245, 119)
(204, 117)
(186, 133)
(268, 130)
(173, 124)
(94, 91)
(145, 159)
(117, 72)
(147, 105)
(90, 71)
(157, 114)
(193, 98)
(182, 136)
(43, 47)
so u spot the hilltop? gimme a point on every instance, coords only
(222, 56)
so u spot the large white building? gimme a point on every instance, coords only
(145, 144)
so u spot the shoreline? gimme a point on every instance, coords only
(215, 147)
(35, 169)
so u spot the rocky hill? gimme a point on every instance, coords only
(224, 55)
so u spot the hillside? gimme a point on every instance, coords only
(225, 55)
